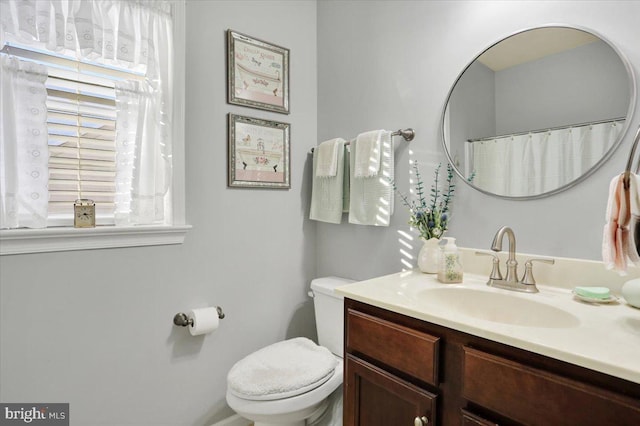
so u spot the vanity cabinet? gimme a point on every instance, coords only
(403, 371)
(380, 356)
(380, 398)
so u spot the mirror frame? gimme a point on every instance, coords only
(605, 157)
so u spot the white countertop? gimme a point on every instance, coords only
(605, 338)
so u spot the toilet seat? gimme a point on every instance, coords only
(281, 370)
(291, 409)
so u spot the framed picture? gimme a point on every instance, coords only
(257, 73)
(258, 153)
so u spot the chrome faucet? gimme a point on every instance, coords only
(512, 263)
(511, 281)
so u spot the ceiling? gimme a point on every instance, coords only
(531, 45)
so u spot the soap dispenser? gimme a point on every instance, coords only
(450, 270)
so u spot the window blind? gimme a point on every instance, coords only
(81, 126)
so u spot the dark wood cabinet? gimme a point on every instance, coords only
(378, 398)
(403, 371)
(393, 345)
(533, 396)
(470, 419)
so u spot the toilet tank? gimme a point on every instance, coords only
(329, 312)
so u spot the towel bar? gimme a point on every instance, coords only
(408, 135)
(627, 171)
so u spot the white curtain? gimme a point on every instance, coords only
(23, 144)
(143, 165)
(135, 34)
(114, 32)
(534, 163)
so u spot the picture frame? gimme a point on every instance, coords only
(257, 73)
(259, 153)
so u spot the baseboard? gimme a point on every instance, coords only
(234, 420)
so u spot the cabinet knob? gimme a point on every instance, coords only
(420, 421)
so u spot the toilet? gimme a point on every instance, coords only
(289, 383)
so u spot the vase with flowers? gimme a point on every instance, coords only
(430, 216)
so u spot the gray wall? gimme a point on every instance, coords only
(105, 343)
(578, 91)
(93, 328)
(565, 88)
(472, 111)
(391, 64)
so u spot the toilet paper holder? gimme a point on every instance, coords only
(183, 320)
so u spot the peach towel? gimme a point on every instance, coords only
(618, 246)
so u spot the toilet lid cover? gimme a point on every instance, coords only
(281, 370)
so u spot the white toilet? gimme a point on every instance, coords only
(288, 383)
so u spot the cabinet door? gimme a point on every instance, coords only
(470, 419)
(393, 345)
(539, 398)
(374, 397)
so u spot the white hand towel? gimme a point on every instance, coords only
(328, 157)
(327, 192)
(346, 186)
(367, 154)
(371, 200)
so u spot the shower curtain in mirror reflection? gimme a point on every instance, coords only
(539, 162)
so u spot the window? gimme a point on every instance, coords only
(109, 132)
(81, 128)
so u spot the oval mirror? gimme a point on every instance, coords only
(537, 112)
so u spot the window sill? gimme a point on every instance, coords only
(22, 241)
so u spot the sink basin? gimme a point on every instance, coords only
(498, 307)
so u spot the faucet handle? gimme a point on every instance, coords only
(495, 271)
(528, 270)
